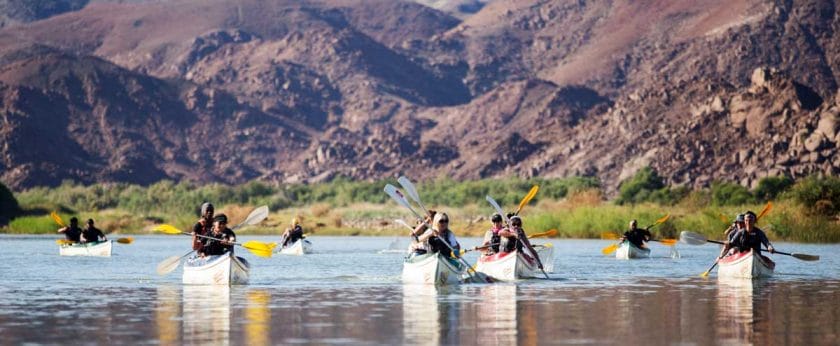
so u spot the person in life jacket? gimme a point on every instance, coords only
(751, 237)
(92, 234)
(730, 233)
(293, 234)
(637, 236)
(203, 226)
(72, 232)
(221, 238)
(441, 239)
(509, 237)
(492, 238)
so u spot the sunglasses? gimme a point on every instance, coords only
(443, 221)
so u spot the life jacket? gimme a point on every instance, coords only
(214, 247)
(495, 239)
(73, 234)
(92, 234)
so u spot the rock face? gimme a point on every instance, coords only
(292, 91)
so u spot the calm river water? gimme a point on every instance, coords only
(349, 293)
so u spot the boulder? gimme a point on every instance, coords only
(760, 78)
(814, 142)
(827, 124)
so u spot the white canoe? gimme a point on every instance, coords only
(216, 270)
(746, 265)
(546, 253)
(432, 269)
(298, 248)
(99, 249)
(627, 251)
(508, 266)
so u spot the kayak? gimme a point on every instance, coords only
(546, 253)
(432, 269)
(747, 265)
(99, 249)
(509, 266)
(627, 251)
(216, 270)
(300, 247)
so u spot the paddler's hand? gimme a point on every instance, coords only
(771, 249)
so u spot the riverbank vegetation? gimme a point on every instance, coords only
(804, 210)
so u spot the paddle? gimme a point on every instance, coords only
(535, 235)
(666, 241)
(168, 265)
(693, 238)
(412, 192)
(610, 249)
(528, 197)
(763, 212)
(255, 247)
(60, 222)
(521, 204)
(397, 196)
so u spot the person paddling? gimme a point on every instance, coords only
(92, 234)
(518, 233)
(73, 233)
(291, 235)
(203, 226)
(492, 238)
(418, 247)
(730, 233)
(224, 238)
(440, 233)
(751, 237)
(637, 236)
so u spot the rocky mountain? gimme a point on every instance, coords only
(288, 91)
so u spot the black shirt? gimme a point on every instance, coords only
(637, 236)
(92, 234)
(73, 234)
(214, 247)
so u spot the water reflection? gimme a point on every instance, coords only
(421, 314)
(737, 300)
(206, 314)
(167, 311)
(258, 318)
(496, 314)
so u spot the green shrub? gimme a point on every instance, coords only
(730, 194)
(639, 187)
(819, 195)
(770, 187)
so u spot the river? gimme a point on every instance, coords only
(349, 293)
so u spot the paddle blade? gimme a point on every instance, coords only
(258, 248)
(549, 233)
(402, 222)
(527, 198)
(610, 249)
(255, 217)
(64, 242)
(497, 207)
(692, 238)
(704, 274)
(668, 242)
(398, 197)
(57, 219)
(609, 235)
(806, 257)
(765, 210)
(126, 240)
(168, 265)
(409, 188)
(168, 229)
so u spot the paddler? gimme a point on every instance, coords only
(637, 236)
(492, 238)
(418, 247)
(92, 234)
(203, 226)
(751, 237)
(517, 239)
(224, 238)
(73, 233)
(730, 233)
(293, 234)
(439, 236)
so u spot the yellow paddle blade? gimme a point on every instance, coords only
(57, 219)
(168, 229)
(663, 219)
(64, 242)
(610, 249)
(126, 240)
(609, 235)
(527, 198)
(669, 242)
(704, 274)
(258, 248)
(548, 245)
(723, 218)
(765, 210)
(549, 233)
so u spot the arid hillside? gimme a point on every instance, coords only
(290, 91)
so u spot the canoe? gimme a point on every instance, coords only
(546, 253)
(298, 248)
(746, 265)
(216, 270)
(508, 266)
(432, 269)
(99, 249)
(627, 251)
